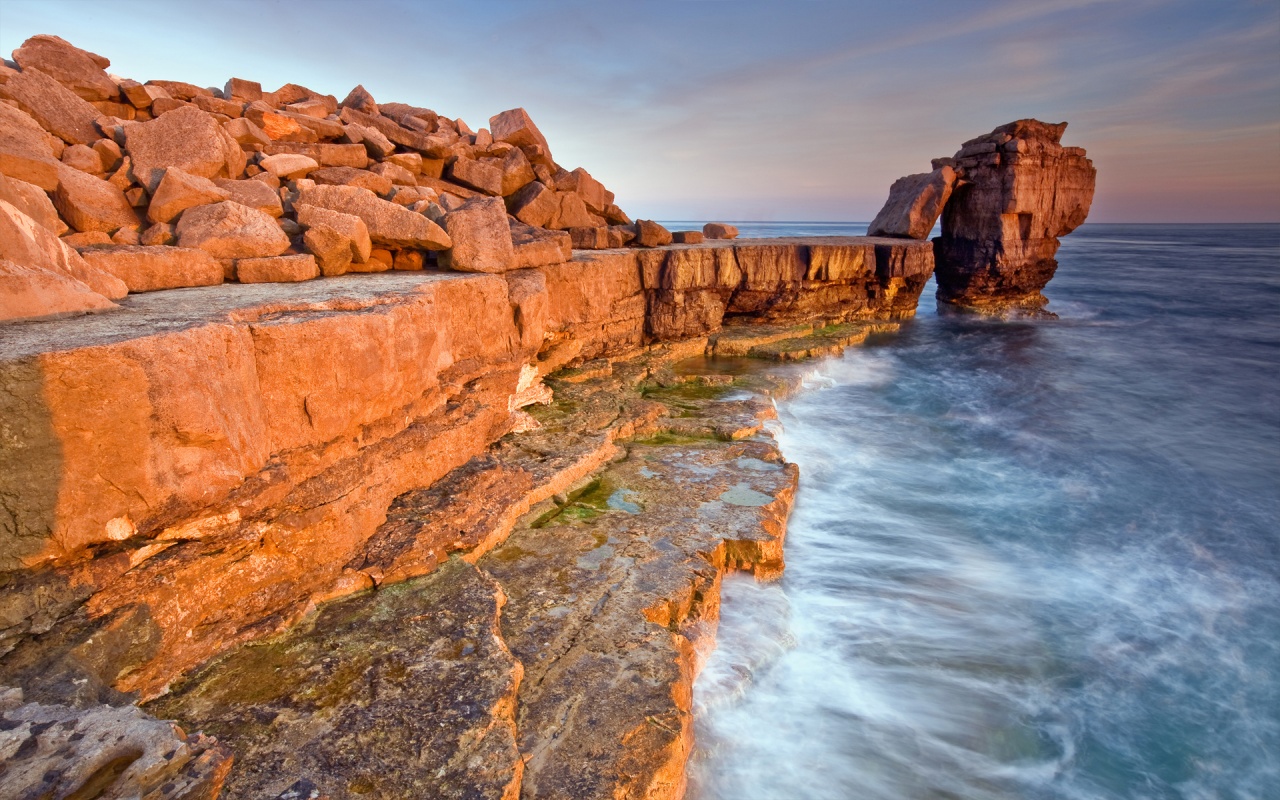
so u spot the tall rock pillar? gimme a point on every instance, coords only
(1019, 190)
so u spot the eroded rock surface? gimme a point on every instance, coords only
(1020, 190)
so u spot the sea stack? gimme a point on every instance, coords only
(1019, 190)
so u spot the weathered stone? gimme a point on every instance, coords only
(408, 260)
(651, 234)
(719, 230)
(240, 89)
(27, 151)
(277, 269)
(109, 153)
(163, 105)
(126, 236)
(147, 269)
(333, 250)
(58, 110)
(687, 237)
(103, 751)
(91, 204)
(85, 239)
(187, 138)
(590, 238)
(481, 237)
(180, 90)
(571, 212)
(327, 155)
(914, 205)
(230, 230)
(360, 99)
(313, 108)
(1000, 227)
(245, 132)
(622, 235)
(536, 247)
(162, 233)
(517, 172)
(383, 735)
(478, 175)
(346, 176)
(179, 191)
(293, 93)
(517, 128)
(83, 158)
(254, 194)
(592, 192)
(31, 292)
(351, 226)
(136, 94)
(398, 175)
(79, 70)
(23, 241)
(32, 201)
(286, 166)
(388, 223)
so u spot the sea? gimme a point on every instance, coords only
(1029, 558)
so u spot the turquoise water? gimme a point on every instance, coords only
(1028, 559)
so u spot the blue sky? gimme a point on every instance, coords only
(768, 111)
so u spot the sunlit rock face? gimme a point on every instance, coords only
(1019, 190)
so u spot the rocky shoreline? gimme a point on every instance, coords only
(453, 529)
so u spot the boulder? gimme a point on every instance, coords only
(481, 237)
(277, 269)
(477, 175)
(534, 204)
(289, 166)
(109, 153)
(914, 205)
(378, 145)
(27, 151)
(651, 234)
(58, 110)
(350, 226)
(590, 238)
(571, 212)
(179, 191)
(25, 242)
(254, 194)
(147, 269)
(720, 230)
(1020, 191)
(592, 192)
(517, 172)
(240, 89)
(180, 90)
(161, 233)
(32, 201)
(230, 230)
(333, 250)
(517, 128)
(84, 158)
(245, 132)
(327, 155)
(79, 70)
(538, 247)
(28, 292)
(360, 99)
(92, 204)
(687, 237)
(187, 138)
(388, 223)
(347, 176)
(398, 175)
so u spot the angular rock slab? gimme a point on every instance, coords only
(404, 692)
(914, 205)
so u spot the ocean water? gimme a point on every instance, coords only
(1028, 558)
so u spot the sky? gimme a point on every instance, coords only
(798, 110)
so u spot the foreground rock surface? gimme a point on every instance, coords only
(1020, 191)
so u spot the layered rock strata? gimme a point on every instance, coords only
(1004, 198)
(1020, 191)
(203, 467)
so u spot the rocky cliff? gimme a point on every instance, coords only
(455, 529)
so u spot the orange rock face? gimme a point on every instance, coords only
(1020, 190)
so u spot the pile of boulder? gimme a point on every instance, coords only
(110, 186)
(1005, 198)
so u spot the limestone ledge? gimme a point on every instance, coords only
(203, 466)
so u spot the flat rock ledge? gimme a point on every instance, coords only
(421, 533)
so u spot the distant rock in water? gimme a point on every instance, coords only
(1019, 190)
